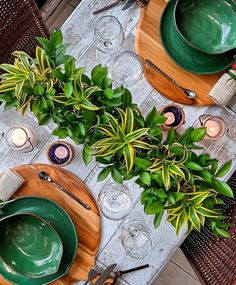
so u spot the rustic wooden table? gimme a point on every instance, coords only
(78, 31)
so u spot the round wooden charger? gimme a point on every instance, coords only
(148, 45)
(87, 223)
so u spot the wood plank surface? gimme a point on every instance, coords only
(148, 45)
(87, 223)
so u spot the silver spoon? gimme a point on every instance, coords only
(45, 176)
(190, 93)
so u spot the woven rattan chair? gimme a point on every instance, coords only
(20, 23)
(214, 259)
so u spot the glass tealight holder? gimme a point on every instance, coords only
(20, 138)
(175, 117)
(215, 126)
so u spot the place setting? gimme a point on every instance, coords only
(159, 168)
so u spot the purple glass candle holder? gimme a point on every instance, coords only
(60, 153)
(175, 116)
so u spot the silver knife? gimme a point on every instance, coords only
(105, 274)
(128, 4)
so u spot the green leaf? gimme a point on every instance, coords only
(151, 116)
(206, 176)
(157, 219)
(224, 169)
(108, 93)
(155, 208)
(43, 106)
(81, 128)
(170, 137)
(159, 120)
(193, 165)
(38, 90)
(104, 173)
(171, 197)
(198, 134)
(161, 194)
(222, 232)
(142, 163)
(56, 39)
(68, 89)
(44, 119)
(126, 98)
(98, 74)
(87, 154)
(59, 75)
(145, 177)
(116, 175)
(9, 105)
(223, 188)
(60, 132)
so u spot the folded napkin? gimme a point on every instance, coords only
(10, 182)
(224, 90)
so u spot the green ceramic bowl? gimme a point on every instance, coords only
(61, 222)
(29, 245)
(184, 55)
(207, 25)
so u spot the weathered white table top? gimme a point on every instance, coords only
(78, 30)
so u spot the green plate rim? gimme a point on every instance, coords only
(177, 63)
(76, 239)
(50, 226)
(192, 45)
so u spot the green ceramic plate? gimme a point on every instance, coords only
(29, 245)
(207, 25)
(62, 223)
(184, 55)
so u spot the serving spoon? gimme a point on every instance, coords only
(45, 176)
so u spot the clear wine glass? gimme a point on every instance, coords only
(126, 69)
(108, 37)
(136, 238)
(115, 201)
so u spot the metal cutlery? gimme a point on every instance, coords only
(190, 93)
(128, 4)
(105, 274)
(107, 7)
(45, 176)
(93, 273)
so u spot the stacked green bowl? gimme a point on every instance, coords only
(38, 241)
(200, 35)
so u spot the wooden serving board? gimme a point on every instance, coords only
(148, 45)
(87, 223)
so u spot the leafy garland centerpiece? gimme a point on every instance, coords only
(111, 128)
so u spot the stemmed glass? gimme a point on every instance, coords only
(126, 69)
(108, 38)
(115, 201)
(136, 238)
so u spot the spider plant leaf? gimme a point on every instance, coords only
(158, 218)
(128, 121)
(87, 105)
(177, 171)
(89, 91)
(222, 232)
(129, 157)
(180, 222)
(207, 212)
(136, 134)
(224, 169)
(193, 216)
(199, 199)
(14, 70)
(166, 176)
(140, 144)
(18, 89)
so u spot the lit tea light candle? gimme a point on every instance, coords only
(60, 153)
(175, 116)
(18, 137)
(212, 128)
(170, 118)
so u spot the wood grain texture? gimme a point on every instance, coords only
(87, 223)
(148, 45)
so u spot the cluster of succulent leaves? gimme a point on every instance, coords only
(111, 128)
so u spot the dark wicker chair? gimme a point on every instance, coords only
(214, 259)
(20, 23)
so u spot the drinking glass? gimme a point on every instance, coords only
(115, 201)
(108, 37)
(126, 69)
(136, 238)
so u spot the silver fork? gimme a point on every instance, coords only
(93, 273)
